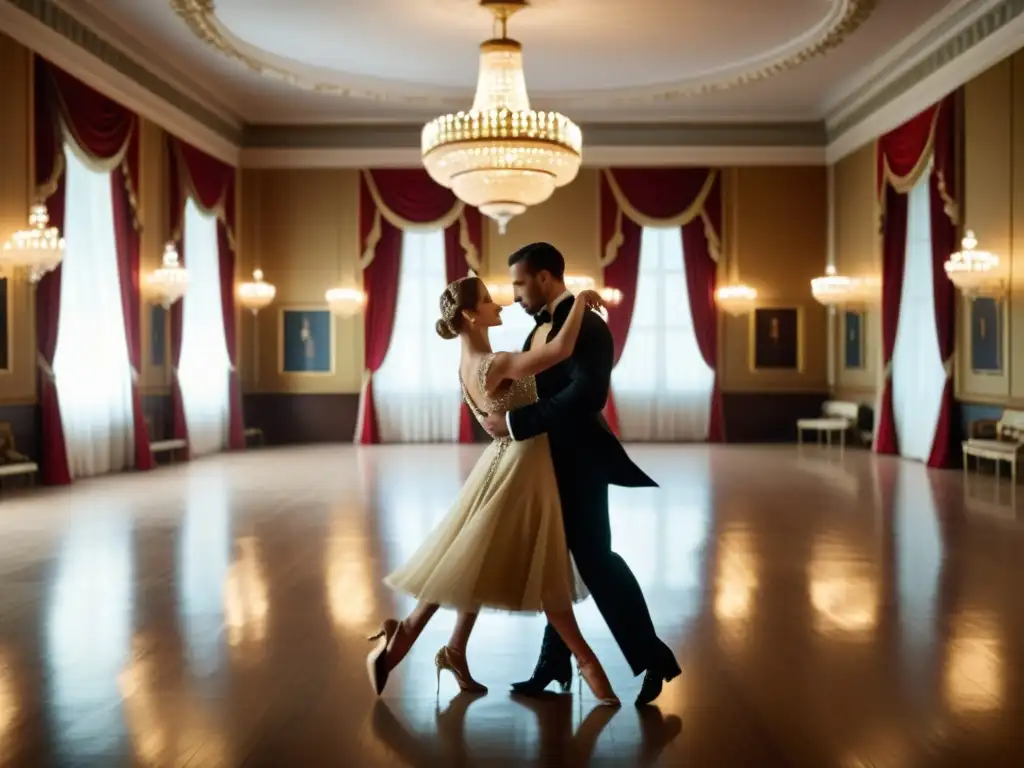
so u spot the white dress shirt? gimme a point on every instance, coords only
(540, 336)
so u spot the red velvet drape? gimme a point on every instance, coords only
(701, 282)
(894, 247)
(456, 266)
(211, 183)
(943, 191)
(621, 273)
(411, 195)
(50, 189)
(931, 134)
(102, 128)
(664, 194)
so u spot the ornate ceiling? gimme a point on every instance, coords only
(318, 61)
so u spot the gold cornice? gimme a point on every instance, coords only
(201, 18)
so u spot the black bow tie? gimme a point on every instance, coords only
(542, 317)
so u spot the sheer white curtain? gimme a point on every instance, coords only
(204, 368)
(90, 364)
(918, 376)
(416, 390)
(662, 386)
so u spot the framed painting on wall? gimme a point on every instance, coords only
(306, 341)
(5, 327)
(5, 339)
(853, 340)
(157, 336)
(986, 336)
(775, 339)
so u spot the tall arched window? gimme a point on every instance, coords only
(918, 376)
(91, 365)
(661, 383)
(417, 388)
(203, 370)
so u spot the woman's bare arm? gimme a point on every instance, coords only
(515, 365)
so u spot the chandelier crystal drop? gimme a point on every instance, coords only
(256, 295)
(736, 299)
(38, 250)
(502, 156)
(345, 302)
(974, 272)
(169, 283)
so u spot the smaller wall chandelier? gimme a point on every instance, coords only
(36, 250)
(974, 272)
(166, 285)
(256, 295)
(834, 290)
(345, 302)
(736, 298)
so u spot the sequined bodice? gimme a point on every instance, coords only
(514, 395)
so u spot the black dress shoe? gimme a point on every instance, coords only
(544, 674)
(662, 671)
(553, 666)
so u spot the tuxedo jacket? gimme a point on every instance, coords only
(572, 395)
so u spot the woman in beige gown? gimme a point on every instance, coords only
(502, 544)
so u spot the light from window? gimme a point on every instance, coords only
(661, 384)
(416, 391)
(918, 376)
(205, 364)
(91, 365)
(515, 327)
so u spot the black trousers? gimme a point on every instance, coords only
(611, 582)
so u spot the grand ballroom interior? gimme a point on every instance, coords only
(226, 416)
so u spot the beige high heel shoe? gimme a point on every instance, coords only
(598, 683)
(455, 662)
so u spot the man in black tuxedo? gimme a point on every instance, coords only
(587, 458)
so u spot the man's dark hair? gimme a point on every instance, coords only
(538, 257)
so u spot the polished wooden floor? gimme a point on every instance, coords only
(827, 611)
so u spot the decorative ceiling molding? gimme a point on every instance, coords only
(56, 35)
(993, 30)
(653, 135)
(593, 157)
(845, 17)
(979, 36)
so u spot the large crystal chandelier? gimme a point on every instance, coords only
(502, 156)
(37, 250)
(166, 285)
(256, 295)
(974, 272)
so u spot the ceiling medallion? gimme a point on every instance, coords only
(201, 18)
(501, 156)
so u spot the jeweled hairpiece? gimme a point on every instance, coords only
(449, 303)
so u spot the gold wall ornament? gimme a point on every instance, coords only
(201, 18)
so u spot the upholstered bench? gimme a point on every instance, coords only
(998, 442)
(836, 418)
(170, 447)
(13, 463)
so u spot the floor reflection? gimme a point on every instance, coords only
(853, 610)
(88, 633)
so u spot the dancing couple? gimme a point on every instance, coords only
(530, 530)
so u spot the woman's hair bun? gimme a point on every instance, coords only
(444, 329)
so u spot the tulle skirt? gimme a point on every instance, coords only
(502, 544)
